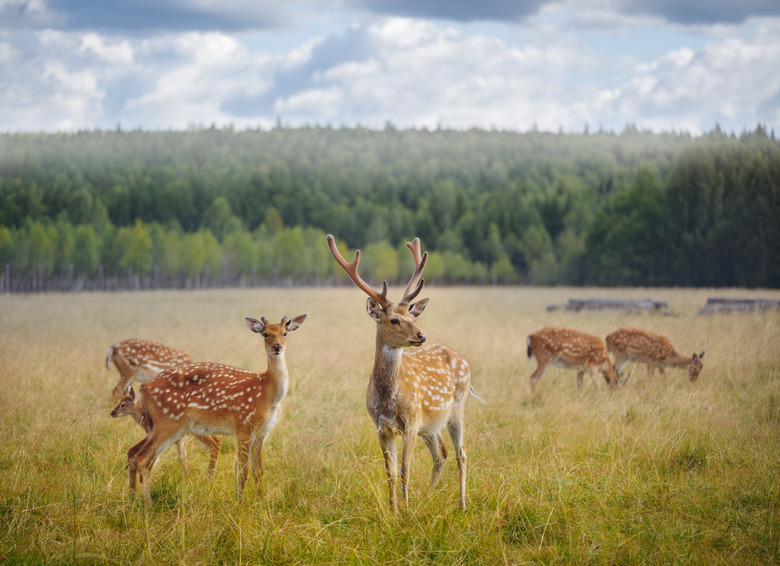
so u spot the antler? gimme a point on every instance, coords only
(416, 283)
(352, 271)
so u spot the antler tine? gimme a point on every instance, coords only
(352, 271)
(416, 283)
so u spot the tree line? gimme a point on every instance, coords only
(253, 206)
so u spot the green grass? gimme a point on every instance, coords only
(659, 472)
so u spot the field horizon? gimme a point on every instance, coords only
(660, 471)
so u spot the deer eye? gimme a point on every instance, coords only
(285, 334)
(265, 334)
(395, 321)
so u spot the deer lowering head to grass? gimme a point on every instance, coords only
(655, 350)
(570, 349)
(209, 398)
(411, 393)
(130, 405)
(141, 360)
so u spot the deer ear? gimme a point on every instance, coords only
(254, 325)
(374, 309)
(295, 323)
(132, 394)
(416, 309)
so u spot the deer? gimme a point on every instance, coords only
(655, 350)
(130, 405)
(570, 349)
(209, 398)
(141, 360)
(412, 393)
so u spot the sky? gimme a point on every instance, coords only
(518, 65)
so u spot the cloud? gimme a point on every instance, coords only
(298, 70)
(685, 12)
(408, 71)
(691, 12)
(140, 16)
(490, 10)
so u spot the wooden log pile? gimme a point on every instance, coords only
(625, 305)
(723, 305)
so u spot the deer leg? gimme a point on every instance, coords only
(439, 454)
(620, 361)
(650, 369)
(144, 459)
(537, 375)
(242, 454)
(580, 375)
(182, 450)
(257, 461)
(154, 445)
(455, 428)
(410, 438)
(132, 464)
(213, 445)
(594, 374)
(387, 443)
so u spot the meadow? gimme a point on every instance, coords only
(662, 471)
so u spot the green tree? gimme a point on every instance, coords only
(380, 261)
(135, 245)
(86, 250)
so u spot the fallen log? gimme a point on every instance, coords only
(724, 305)
(626, 305)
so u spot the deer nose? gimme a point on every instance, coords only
(277, 347)
(421, 337)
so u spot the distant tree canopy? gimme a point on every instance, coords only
(491, 207)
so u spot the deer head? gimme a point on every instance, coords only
(396, 323)
(696, 366)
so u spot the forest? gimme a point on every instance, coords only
(142, 209)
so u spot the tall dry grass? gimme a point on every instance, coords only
(661, 471)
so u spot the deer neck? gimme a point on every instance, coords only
(141, 417)
(387, 368)
(277, 377)
(679, 361)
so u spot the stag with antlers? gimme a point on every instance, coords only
(412, 393)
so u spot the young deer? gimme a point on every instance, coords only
(141, 360)
(570, 349)
(411, 393)
(655, 350)
(130, 405)
(208, 398)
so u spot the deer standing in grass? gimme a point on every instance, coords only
(655, 350)
(411, 393)
(570, 349)
(131, 405)
(141, 360)
(209, 398)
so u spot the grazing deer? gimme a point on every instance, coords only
(141, 360)
(411, 393)
(570, 349)
(130, 405)
(655, 350)
(209, 398)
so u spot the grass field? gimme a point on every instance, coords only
(662, 471)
